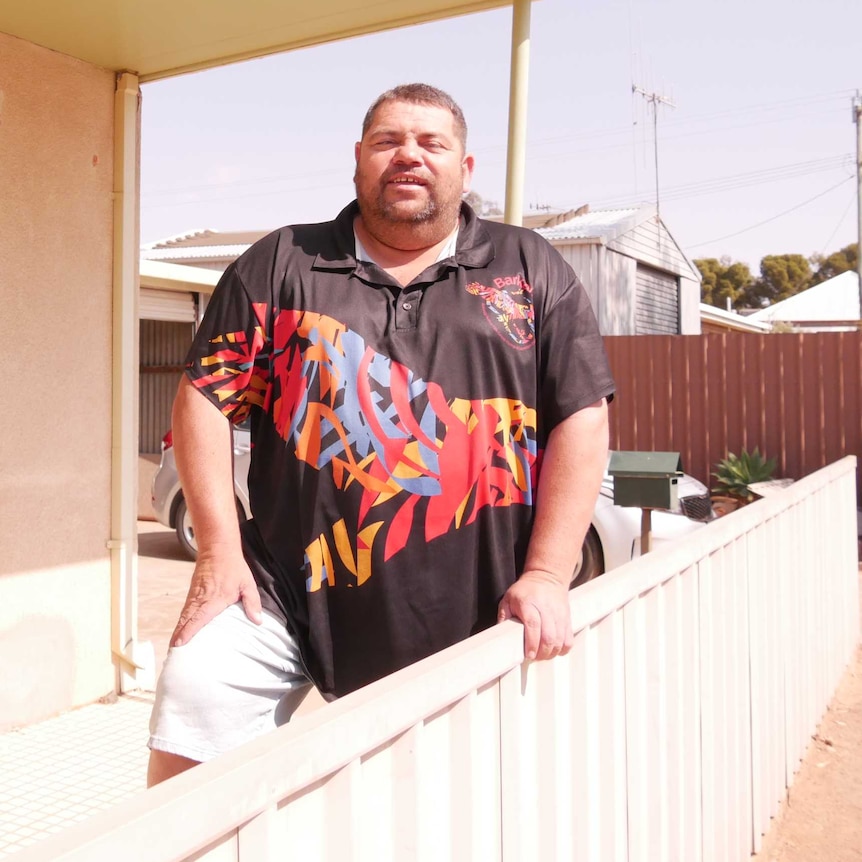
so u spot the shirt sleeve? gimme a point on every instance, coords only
(574, 368)
(228, 360)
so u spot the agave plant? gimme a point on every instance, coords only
(735, 474)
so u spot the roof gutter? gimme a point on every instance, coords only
(134, 662)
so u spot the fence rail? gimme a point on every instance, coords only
(671, 730)
(798, 397)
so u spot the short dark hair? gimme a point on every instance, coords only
(421, 94)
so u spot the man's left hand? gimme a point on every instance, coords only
(541, 602)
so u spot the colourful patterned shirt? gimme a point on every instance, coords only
(397, 432)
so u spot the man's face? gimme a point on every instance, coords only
(410, 165)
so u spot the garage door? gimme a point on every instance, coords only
(164, 345)
(657, 302)
(173, 305)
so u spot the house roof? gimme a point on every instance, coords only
(731, 320)
(202, 245)
(156, 39)
(228, 252)
(207, 237)
(836, 299)
(600, 225)
(170, 276)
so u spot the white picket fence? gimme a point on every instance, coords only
(671, 731)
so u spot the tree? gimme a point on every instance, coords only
(724, 279)
(836, 263)
(481, 206)
(781, 276)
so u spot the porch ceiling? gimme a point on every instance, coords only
(159, 38)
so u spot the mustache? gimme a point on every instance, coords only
(417, 175)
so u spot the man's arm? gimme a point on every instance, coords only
(571, 477)
(203, 447)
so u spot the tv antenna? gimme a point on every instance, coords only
(654, 99)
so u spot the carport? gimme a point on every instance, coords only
(70, 107)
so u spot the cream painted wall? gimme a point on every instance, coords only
(56, 141)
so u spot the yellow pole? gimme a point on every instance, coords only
(516, 156)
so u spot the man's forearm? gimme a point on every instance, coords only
(203, 449)
(571, 476)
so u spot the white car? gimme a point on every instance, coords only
(613, 538)
(169, 504)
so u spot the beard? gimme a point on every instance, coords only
(441, 204)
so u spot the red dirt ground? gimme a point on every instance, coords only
(821, 819)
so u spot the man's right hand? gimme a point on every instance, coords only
(219, 581)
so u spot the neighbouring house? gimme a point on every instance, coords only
(178, 275)
(208, 249)
(831, 306)
(170, 306)
(638, 278)
(714, 319)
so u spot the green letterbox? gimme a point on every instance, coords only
(646, 479)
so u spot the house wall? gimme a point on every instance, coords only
(56, 176)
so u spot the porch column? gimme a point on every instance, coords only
(130, 658)
(516, 154)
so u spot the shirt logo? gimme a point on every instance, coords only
(508, 307)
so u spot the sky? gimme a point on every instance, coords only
(755, 139)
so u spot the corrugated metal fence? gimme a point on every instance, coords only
(798, 397)
(670, 732)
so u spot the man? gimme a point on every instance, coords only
(409, 371)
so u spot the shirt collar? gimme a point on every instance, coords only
(473, 244)
(447, 251)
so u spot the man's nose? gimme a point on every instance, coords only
(408, 152)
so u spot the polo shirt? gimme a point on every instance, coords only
(397, 432)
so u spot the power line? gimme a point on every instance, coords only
(772, 218)
(737, 181)
(840, 222)
(542, 142)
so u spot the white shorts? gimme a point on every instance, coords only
(233, 681)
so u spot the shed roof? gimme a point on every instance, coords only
(600, 225)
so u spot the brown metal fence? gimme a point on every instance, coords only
(798, 397)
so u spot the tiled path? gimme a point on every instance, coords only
(65, 769)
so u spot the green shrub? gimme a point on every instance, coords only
(736, 473)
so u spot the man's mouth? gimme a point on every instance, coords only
(404, 179)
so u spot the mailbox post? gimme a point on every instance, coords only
(647, 480)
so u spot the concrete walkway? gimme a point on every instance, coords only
(67, 768)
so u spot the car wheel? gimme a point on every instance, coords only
(185, 531)
(592, 561)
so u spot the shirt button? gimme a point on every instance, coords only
(406, 306)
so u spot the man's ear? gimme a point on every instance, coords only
(356, 148)
(467, 167)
